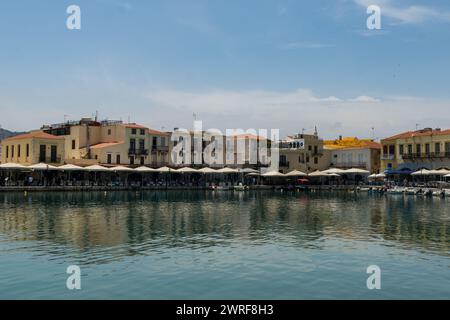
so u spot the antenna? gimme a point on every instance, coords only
(417, 126)
(373, 133)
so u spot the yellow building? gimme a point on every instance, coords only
(351, 152)
(412, 150)
(303, 152)
(33, 147)
(89, 141)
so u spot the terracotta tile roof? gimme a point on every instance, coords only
(35, 135)
(105, 145)
(418, 133)
(156, 132)
(249, 136)
(134, 126)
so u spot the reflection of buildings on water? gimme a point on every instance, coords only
(143, 221)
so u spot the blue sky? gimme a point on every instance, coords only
(236, 63)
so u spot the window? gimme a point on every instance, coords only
(142, 160)
(142, 132)
(133, 144)
(12, 151)
(283, 161)
(437, 147)
(401, 151)
(7, 151)
(109, 132)
(73, 144)
(392, 149)
(410, 151)
(307, 159)
(316, 150)
(427, 148)
(18, 151)
(316, 160)
(385, 150)
(309, 148)
(53, 153)
(133, 131)
(163, 141)
(154, 142)
(418, 148)
(42, 154)
(131, 159)
(108, 158)
(447, 147)
(118, 159)
(28, 150)
(141, 144)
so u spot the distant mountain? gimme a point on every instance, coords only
(6, 133)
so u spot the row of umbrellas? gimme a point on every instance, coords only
(98, 168)
(334, 172)
(425, 172)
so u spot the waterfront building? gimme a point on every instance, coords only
(87, 142)
(33, 147)
(218, 150)
(413, 150)
(303, 152)
(351, 152)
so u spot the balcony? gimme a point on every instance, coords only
(426, 155)
(160, 148)
(284, 164)
(138, 152)
(387, 157)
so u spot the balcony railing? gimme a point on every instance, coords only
(138, 152)
(425, 155)
(160, 148)
(284, 164)
(387, 157)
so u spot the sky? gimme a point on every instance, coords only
(265, 64)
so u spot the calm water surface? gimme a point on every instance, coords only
(205, 245)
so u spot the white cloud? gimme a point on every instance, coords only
(407, 13)
(364, 99)
(293, 110)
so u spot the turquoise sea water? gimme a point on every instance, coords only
(223, 245)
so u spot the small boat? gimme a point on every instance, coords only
(439, 193)
(240, 187)
(396, 190)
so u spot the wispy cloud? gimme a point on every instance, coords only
(412, 14)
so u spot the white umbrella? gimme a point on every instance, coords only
(447, 176)
(70, 167)
(96, 168)
(248, 170)
(145, 169)
(334, 170)
(333, 175)
(227, 170)
(273, 174)
(356, 171)
(121, 169)
(372, 176)
(254, 174)
(12, 166)
(42, 166)
(440, 172)
(421, 172)
(187, 170)
(296, 173)
(207, 170)
(164, 170)
(318, 174)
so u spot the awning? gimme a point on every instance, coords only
(186, 170)
(144, 169)
(42, 166)
(70, 167)
(12, 166)
(121, 169)
(97, 168)
(207, 170)
(296, 173)
(273, 174)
